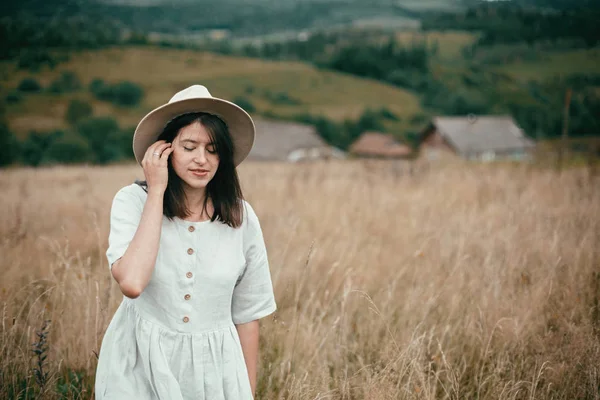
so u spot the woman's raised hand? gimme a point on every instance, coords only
(154, 164)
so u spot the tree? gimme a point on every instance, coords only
(78, 110)
(124, 93)
(9, 145)
(96, 86)
(34, 148)
(14, 97)
(29, 85)
(68, 149)
(245, 103)
(125, 142)
(102, 136)
(67, 82)
(127, 94)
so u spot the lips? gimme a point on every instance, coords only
(199, 172)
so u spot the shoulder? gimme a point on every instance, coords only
(132, 196)
(250, 219)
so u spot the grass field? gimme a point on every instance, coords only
(463, 282)
(450, 43)
(433, 5)
(162, 72)
(555, 64)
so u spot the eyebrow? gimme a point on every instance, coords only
(189, 140)
(195, 142)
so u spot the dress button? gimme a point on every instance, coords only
(186, 319)
(187, 297)
(191, 229)
(190, 251)
(189, 274)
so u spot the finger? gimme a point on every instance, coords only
(162, 147)
(155, 145)
(160, 150)
(165, 154)
(151, 149)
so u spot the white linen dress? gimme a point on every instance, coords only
(178, 340)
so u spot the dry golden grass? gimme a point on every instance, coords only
(467, 281)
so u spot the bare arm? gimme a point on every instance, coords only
(249, 334)
(134, 269)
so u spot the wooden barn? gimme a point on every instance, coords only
(484, 138)
(379, 145)
(289, 141)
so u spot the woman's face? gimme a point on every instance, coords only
(194, 158)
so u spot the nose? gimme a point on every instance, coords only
(200, 156)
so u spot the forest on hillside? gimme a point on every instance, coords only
(477, 83)
(38, 34)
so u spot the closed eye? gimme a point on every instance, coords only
(188, 149)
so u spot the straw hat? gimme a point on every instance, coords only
(196, 98)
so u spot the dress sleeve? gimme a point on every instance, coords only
(125, 216)
(253, 296)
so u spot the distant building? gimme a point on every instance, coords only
(289, 141)
(379, 145)
(484, 138)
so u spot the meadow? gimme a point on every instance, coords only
(454, 282)
(162, 72)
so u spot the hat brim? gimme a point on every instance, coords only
(240, 124)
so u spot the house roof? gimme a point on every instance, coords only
(376, 144)
(276, 140)
(482, 133)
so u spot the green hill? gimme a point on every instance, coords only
(285, 89)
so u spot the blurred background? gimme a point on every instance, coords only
(426, 174)
(481, 79)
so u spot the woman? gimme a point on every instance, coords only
(189, 256)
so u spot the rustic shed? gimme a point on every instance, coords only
(289, 141)
(379, 145)
(476, 138)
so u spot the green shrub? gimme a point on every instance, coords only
(124, 141)
(124, 93)
(370, 121)
(9, 145)
(14, 97)
(139, 38)
(418, 118)
(34, 60)
(456, 101)
(69, 149)
(281, 98)
(127, 93)
(78, 110)
(410, 79)
(245, 103)
(102, 135)
(67, 82)
(412, 138)
(342, 135)
(101, 90)
(96, 86)
(328, 130)
(34, 148)
(29, 85)
(386, 113)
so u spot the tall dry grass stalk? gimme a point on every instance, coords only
(466, 281)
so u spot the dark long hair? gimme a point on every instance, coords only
(224, 189)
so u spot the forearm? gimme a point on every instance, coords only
(134, 270)
(249, 334)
